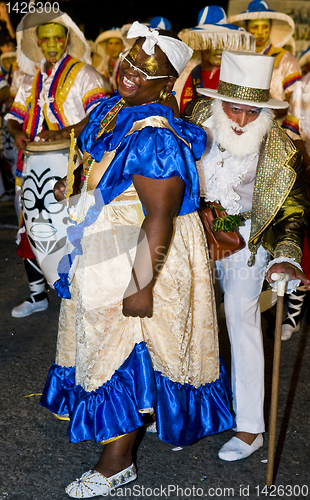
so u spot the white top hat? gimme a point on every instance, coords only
(245, 79)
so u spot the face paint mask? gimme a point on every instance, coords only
(260, 28)
(52, 40)
(213, 56)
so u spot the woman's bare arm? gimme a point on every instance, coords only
(161, 200)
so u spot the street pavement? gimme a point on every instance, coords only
(37, 460)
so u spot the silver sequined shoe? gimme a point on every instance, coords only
(93, 484)
(152, 427)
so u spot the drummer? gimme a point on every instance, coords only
(59, 94)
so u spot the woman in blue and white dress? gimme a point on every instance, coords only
(139, 333)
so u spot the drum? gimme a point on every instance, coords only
(45, 218)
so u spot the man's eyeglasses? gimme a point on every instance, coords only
(123, 57)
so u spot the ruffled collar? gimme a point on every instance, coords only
(126, 117)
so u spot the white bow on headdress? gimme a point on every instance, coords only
(177, 52)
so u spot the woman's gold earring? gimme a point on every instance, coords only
(163, 95)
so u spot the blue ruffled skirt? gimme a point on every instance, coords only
(184, 414)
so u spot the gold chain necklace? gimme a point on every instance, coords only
(110, 116)
(90, 161)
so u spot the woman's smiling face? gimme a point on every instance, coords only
(134, 86)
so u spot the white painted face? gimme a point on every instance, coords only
(45, 218)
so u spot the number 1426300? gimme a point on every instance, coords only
(24, 7)
(288, 490)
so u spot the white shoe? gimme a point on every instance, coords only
(28, 308)
(235, 449)
(288, 330)
(93, 484)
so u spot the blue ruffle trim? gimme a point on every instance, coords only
(154, 152)
(62, 286)
(184, 414)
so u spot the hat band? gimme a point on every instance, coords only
(245, 93)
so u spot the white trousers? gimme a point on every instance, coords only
(241, 286)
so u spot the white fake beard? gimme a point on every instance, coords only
(253, 133)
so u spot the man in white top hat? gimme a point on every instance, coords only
(252, 168)
(212, 34)
(60, 93)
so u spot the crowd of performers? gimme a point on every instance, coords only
(153, 123)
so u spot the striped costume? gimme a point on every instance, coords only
(286, 72)
(57, 100)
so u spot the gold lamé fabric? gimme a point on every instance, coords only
(280, 198)
(198, 110)
(240, 92)
(181, 336)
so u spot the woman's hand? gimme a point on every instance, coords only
(61, 185)
(78, 182)
(139, 304)
(59, 189)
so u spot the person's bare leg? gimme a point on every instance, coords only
(117, 456)
(247, 437)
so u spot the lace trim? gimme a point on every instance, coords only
(292, 284)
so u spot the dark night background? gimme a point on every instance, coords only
(94, 16)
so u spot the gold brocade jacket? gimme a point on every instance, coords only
(280, 198)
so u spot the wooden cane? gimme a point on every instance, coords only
(281, 279)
